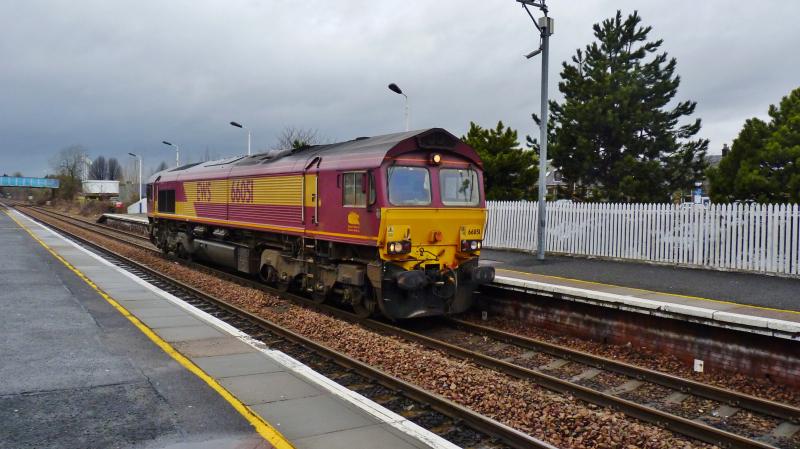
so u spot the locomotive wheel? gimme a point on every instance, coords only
(366, 306)
(161, 243)
(181, 252)
(319, 297)
(267, 274)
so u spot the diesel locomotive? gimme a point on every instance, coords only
(389, 225)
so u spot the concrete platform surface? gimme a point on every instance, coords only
(102, 381)
(77, 374)
(750, 302)
(135, 218)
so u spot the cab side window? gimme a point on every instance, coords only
(355, 186)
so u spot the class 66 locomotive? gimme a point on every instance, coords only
(389, 225)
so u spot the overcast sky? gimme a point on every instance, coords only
(121, 76)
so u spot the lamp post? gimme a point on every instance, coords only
(177, 152)
(239, 125)
(396, 89)
(139, 160)
(545, 27)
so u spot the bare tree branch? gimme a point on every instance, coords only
(69, 161)
(69, 165)
(114, 172)
(99, 168)
(292, 137)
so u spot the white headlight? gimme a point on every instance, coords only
(473, 245)
(391, 247)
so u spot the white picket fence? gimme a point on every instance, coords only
(758, 238)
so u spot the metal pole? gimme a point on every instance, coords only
(177, 156)
(408, 125)
(140, 184)
(540, 231)
(248, 142)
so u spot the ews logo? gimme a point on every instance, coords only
(204, 191)
(242, 191)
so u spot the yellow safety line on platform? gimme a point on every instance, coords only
(262, 427)
(677, 295)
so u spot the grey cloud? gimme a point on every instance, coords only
(122, 76)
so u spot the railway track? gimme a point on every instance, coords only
(518, 356)
(104, 229)
(623, 387)
(456, 423)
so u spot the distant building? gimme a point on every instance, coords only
(554, 181)
(100, 189)
(713, 160)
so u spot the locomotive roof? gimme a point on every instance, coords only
(359, 153)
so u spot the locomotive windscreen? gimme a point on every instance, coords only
(459, 187)
(409, 186)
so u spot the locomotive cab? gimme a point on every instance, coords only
(431, 234)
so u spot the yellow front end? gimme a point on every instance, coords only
(435, 235)
(436, 271)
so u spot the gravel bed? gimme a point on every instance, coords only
(567, 371)
(784, 443)
(533, 360)
(463, 437)
(795, 441)
(692, 407)
(477, 343)
(502, 351)
(561, 420)
(745, 423)
(647, 358)
(648, 394)
(604, 381)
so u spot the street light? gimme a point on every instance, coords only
(139, 160)
(396, 89)
(177, 152)
(545, 27)
(239, 125)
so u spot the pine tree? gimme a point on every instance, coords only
(509, 171)
(764, 162)
(613, 135)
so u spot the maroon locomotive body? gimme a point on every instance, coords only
(390, 223)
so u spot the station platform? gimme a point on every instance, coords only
(129, 222)
(748, 302)
(133, 218)
(94, 357)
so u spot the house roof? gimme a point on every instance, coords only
(713, 159)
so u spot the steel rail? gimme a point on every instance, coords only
(482, 423)
(61, 215)
(666, 420)
(141, 242)
(734, 398)
(678, 424)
